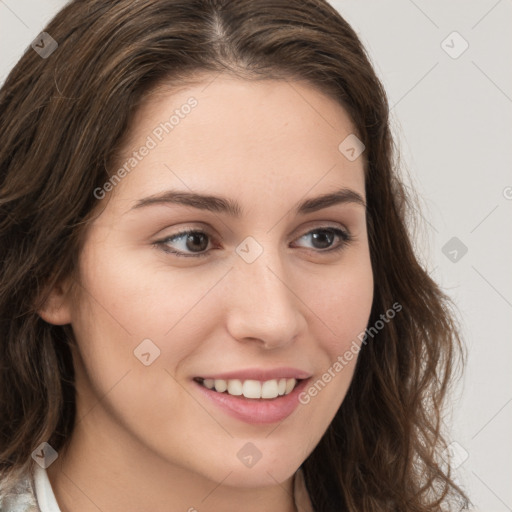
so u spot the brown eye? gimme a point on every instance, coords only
(187, 243)
(322, 239)
(194, 243)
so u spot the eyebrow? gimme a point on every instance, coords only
(233, 208)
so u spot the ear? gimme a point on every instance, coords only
(56, 308)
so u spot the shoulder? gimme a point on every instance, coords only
(21, 498)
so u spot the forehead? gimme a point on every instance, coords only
(245, 137)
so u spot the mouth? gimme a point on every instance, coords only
(254, 396)
(250, 388)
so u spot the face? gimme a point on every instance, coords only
(261, 290)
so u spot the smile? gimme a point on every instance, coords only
(250, 388)
(257, 396)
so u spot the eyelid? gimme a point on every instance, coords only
(344, 234)
(340, 232)
(318, 225)
(304, 230)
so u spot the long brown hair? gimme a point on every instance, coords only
(62, 119)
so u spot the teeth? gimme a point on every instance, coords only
(281, 387)
(221, 385)
(290, 384)
(209, 383)
(235, 387)
(269, 389)
(252, 388)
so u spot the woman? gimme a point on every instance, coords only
(209, 297)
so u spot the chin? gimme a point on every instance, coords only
(260, 475)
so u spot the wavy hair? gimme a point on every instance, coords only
(62, 118)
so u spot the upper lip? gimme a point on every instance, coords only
(261, 374)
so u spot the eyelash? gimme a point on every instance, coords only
(344, 235)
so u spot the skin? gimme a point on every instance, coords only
(145, 437)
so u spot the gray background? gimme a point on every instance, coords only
(452, 118)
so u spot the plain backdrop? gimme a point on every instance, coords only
(446, 67)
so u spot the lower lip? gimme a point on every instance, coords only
(256, 411)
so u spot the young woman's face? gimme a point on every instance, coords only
(258, 292)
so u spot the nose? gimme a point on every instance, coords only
(261, 303)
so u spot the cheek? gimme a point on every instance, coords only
(138, 298)
(342, 308)
(117, 310)
(130, 308)
(343, 304)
